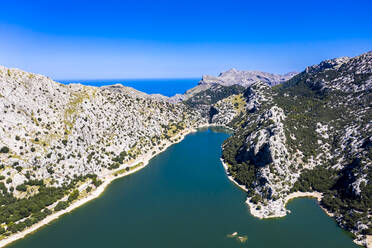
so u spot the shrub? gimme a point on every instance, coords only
(61, 205)
(4, 149)
(88, 189)
(73, 196)
(22, 188)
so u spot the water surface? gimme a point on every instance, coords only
(166, 87)
(184, 199)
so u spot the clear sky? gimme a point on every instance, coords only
(170, 39)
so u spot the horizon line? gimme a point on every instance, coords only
(134, 78)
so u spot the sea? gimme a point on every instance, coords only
(166, 87)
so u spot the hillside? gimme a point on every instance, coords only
(312, 133)
(246, 78)
(55, 139)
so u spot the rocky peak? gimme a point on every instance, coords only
(245, 78)
(340, 74)
(327, 64)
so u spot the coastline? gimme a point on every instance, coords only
(366, 242)
(287, 199)
(243, 187)
(107, 179)
(144, 159)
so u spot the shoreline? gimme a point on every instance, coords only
(287, 199)
(145, 159)
(243, 187)
(107, 179)
(366, 242)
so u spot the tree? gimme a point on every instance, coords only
(61, 205)
(74, 195)
(22, 188)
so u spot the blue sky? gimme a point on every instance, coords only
(170, 39)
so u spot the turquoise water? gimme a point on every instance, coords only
(166, 87)
(184, 199)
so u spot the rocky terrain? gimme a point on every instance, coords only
(54, 137)
(311, 134)
(246, 78)
(232, 78)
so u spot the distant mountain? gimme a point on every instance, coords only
(246, 78)
(209, 85)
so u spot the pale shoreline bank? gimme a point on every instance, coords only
(107, 179)
(243, 187)
(319, 196)
(287, 199)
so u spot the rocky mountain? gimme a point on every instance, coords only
(312, 133)
(231, 78)
(55, 137)
(246, 78)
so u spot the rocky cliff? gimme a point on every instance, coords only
(54, 137)
(311, 134)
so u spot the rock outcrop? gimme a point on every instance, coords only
(54, 137)
(309, 134)
(246, 78)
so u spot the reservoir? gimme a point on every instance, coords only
(184, 199)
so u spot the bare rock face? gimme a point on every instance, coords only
(346, 74)
(246, 78)
(57, 132)
(312, 133)
(309, 134)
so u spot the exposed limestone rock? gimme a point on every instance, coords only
(245, 78)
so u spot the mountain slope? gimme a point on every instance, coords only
(245, 78)
(311, 133)
(54, 138)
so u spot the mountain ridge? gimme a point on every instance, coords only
(311, 133)
(245, 78)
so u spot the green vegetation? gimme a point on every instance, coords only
(34, 208)
(22, 188)
(61, 205)
(314, 115)
(213, 95)
(73, 196)
(242, 171)
(319, 179)
(120, 159)
(4, 149)
(13, 209)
